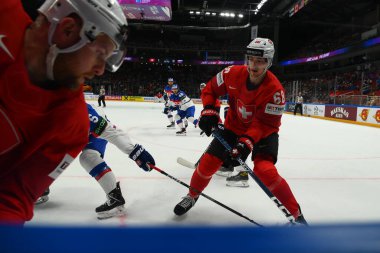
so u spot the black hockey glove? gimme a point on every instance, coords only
(142, 157)
(242, 148)
(209, 119)
(166, 110)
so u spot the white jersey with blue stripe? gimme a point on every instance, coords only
(101, 127)
(182, 100)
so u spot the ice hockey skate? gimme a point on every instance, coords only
(185, 205)
(171, 125)
(181, 132)
(301, 219)
(114, 206)
(44, 197)
(224, 171)
(238, 180)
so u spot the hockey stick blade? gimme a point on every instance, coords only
(204, 195)
(185, 163)
(276, 201)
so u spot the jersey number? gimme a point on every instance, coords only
(94, 119)
(279, 97)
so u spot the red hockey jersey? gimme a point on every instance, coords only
(254, 111)
(42, 131)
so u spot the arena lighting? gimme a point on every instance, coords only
(232, 15)
(198, 13)
(361, 46)
(214, 13)
(259, 6)
(208, 13)
(240, 15)
(222, 14)
(191, 12)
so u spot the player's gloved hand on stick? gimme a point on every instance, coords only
(209, 119)
(242, 148)
(142, 157)
(166, 110)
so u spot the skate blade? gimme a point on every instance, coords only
(116, 212)
(183, 134)
(41, 200)
(223, 173)
(242, 184)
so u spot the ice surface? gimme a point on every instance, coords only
(332, 168)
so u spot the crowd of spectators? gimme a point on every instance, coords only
(146, 79)
(136, 79)
(324, 88)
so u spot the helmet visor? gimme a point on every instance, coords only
(115, 60)
(117, 57)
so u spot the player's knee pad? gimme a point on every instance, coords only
(208, 165)
(177, 118)
(89, 159)
(266, 171)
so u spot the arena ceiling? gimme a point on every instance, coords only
(336, 12)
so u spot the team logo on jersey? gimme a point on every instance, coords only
(275, 109)
(245, 112)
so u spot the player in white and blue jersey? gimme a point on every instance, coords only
(103, 131)
(167, 110)
(186, 109)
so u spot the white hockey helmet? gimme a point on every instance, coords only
(98, 16)
(261, 47)
(175, 87)
(202, 86)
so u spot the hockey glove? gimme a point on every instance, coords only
(209, 119)
(166, 110)
(142, 157)
(242, 148)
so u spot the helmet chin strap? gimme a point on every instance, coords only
(54, 50)
(50, 59)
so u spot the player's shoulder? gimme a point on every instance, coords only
(273, 82)
(232, 69)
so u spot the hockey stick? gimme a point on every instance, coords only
(185, 163)
(257, 180)
(204, 195)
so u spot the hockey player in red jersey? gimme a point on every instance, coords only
(43, 116)
(256, 100)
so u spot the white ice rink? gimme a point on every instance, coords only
(332, 168)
